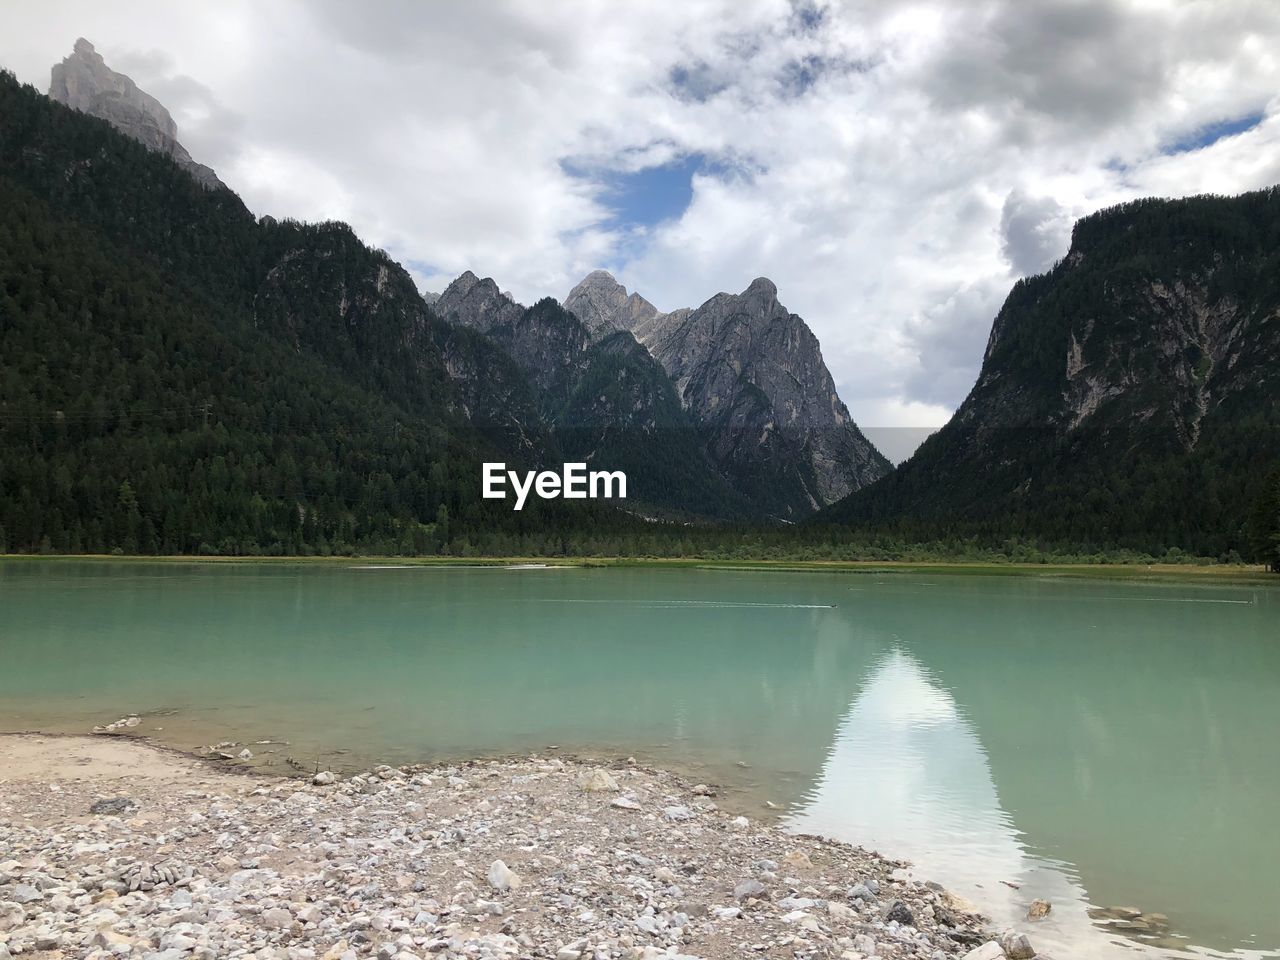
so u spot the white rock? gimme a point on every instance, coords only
(956, 902)
(276, 918)
(649, 924)
(25, 893)
(324, 778)
(177, 941)
(502, 877)
(180, 899)
(110, 939)
(991, 950)
(597, 781)
(796, 903)
(839, 911)
(797, 860)
(11, 915)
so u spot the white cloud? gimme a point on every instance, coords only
(892, 166)
(1034, 232)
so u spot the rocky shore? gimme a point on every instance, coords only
(112, 848)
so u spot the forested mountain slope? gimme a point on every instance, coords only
(178, 377)
(1129, 397)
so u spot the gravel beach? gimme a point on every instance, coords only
(110, 847)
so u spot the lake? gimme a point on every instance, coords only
(1099, 744)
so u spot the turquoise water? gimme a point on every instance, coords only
(1098, 744)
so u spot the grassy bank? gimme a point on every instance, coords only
(1223, 573)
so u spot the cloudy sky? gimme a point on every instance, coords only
(892, 166)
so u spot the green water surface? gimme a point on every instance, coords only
(1094, 743)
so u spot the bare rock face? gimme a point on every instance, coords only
(477, 304)
(752, 372)
(84, 82)
(548, 344)
(605, 307)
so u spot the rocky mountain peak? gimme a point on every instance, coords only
(84, 82)
(604, 305)
(745, 370)
(751, 373)
(477, 303)
(461, 285)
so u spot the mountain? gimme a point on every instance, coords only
(751, 373)
(84, 82)
(601, 398)
(1129, 397)
(495, 395)
(180, 377)
(519, 374)
(476, 303)
(604, 305)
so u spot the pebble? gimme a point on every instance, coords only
(1039, 909)
(597, 781)
(395, 864)
(898, 911)
(277, 918)
(112, 807)
(502, 877)
(860, 891)
(1016, 946)
(25, 893)
(991, 950)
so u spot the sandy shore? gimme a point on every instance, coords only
(110, 847)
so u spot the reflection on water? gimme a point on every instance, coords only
(1098, 745)
(907, 775)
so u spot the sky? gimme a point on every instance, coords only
(892, 166)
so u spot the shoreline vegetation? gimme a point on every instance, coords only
(115, 846)
(1126, 569)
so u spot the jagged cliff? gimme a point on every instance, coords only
(601, 397)
(476, 303)
(604, 305)
(84, 82)
(752, 374)
(1129, 396)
